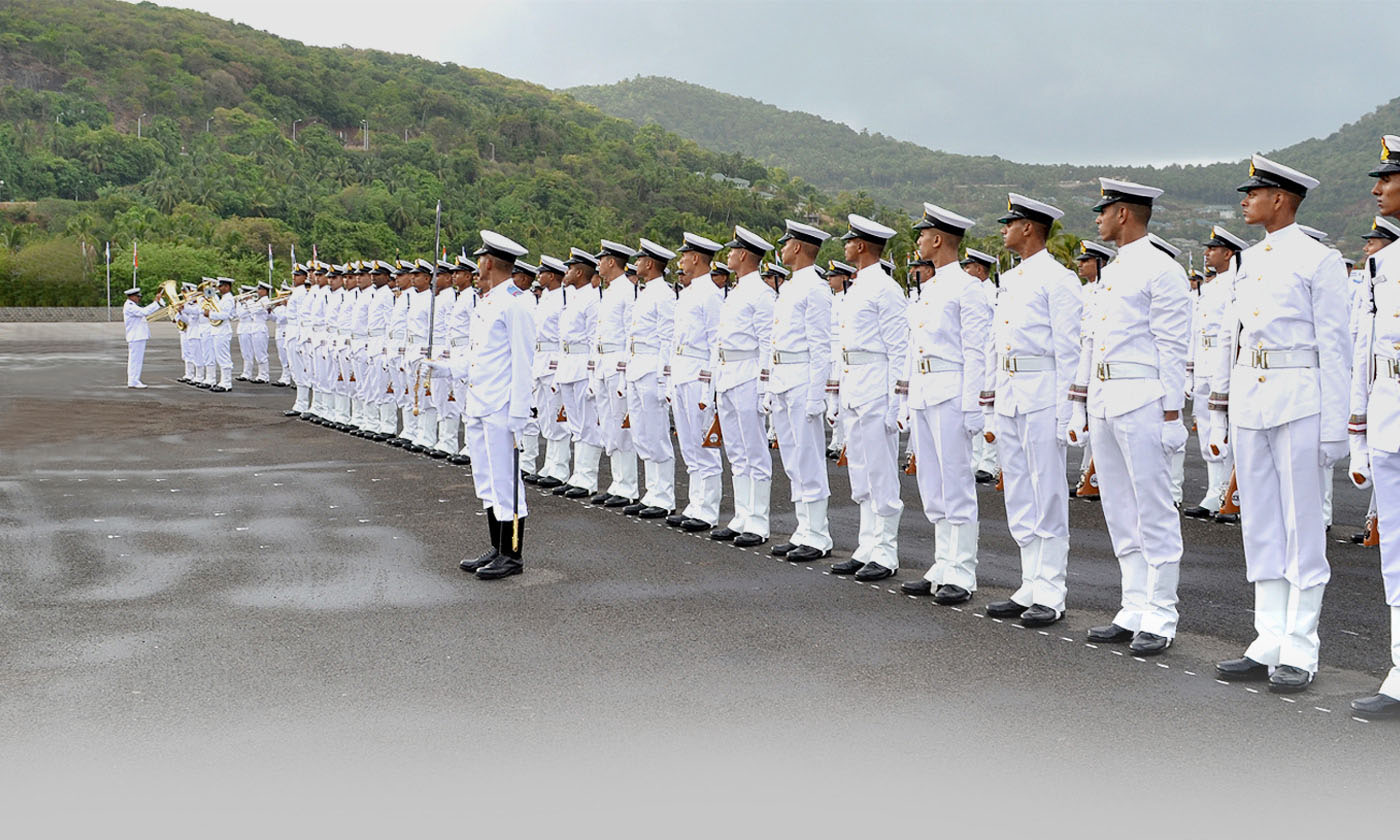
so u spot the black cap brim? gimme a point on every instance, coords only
(1387, 168)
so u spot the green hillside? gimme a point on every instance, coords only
(836, 158)
(215, 175)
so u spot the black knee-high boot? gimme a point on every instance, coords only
(508, 542)
(494, 525)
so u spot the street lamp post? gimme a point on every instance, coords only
(364, 131)
(138, 126)
(207, 121)
(294, 129)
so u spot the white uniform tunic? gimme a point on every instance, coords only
(222, 336)
(874, 336)
(947, 360)
(691, 392)
(1286, 390)
(651, 332)
(1134, 365)
(745, 324)
(1037, 329)
(499, 386)
(1375, 398)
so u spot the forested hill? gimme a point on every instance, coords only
(835, 157)
(215, 175)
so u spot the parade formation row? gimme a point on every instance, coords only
(1284, 353)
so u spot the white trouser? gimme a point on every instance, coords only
(283, 358)
(204, 359)
(245, 353)
(494, 470)
(651, 434)
(581, 420)
(1135, 478)
(1391, 686)
(1285, 621)
(802, 445)
(1327, 485)
(1037, 503)
(135, 357)
(548, 400)
(223, 356)
(1385, 473)
(257, 343)
(948, 491)
(611, 398)
(872, 456)
(1280, 484)
(750, 459)
(705, 465)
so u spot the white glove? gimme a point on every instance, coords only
(1360, 469)
(973, 423)
(1173, 436)
(831, 410)
(765, 403)
(815, 408)
(1217, 449)
(892, 417)
(1331, 452)
(989, 425)
(1077, 433)
(517, 425)
(902, 417)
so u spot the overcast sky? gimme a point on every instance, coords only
(1081, 81)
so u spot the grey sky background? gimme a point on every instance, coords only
(1079, 81)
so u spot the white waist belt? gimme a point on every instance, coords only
(644, 349)
(934, 364)
(1013, 364)
(726, 356)
(360, 335)
(791, 357)
(417, 339)
(1208, 341)
(692, 353)
(1124, 370)
(575, 349)
(610, 347)
(1278, 359)
(862, 357)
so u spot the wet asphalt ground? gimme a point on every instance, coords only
(209, 609)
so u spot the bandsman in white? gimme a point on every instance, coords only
(221, 316)
(947, 362)
(799, 366)
(578, 325)
(206, 376)
(1222, 255)
(1131, 384)
(650, 333)
(1037, 326)
(1375, 413)
(252, 326)
(277, 314)
(182, 325)
(609, 378)
(874, 336)
(745, 326)
(838, 279)
(690, 386)
(555, 470)
(497, 367)
(1283, 381)
(138, 332)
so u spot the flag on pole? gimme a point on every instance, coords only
(134, 262)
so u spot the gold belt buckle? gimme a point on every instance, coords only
(1258, 358)
(1102, 369)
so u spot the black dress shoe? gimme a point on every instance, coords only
(691, 525)
(290, 413)
(723, 534)
(549, 482)
(805, 553)
(873, 571)
(459, 460)
(1197, 512)
(1039, 615)
(278, 384)
(574, 493)
(530, 478)
(617, 502)
(1149, 644)
(1376, 707)
(950, 594)
(437, 453)
(472, 564)
(749, 540)
(781, 549)
(599, 498)
(1286, 679)
(1110, 634)
(846, 567)
(1243, 669)
(984, 477)
(240, 378)
(204, 386)
(416, 448)
(652, 512)
(502, 566)
(397, 441)
(1228, 518)
(922, 586)
(1005, 609)
(564, 491)
(675, 520)
(632, 509)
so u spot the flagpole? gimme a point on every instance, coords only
(109, 281)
